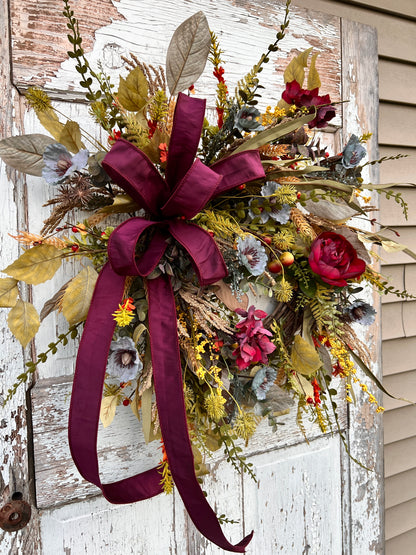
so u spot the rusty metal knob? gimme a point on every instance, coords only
(14, 515)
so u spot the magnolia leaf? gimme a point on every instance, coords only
(51, 123)
(108, 409)
(358, 245)
(223, 291)
(392, 246)
(77, 297)
(53, 303)
(295, 71)
(133, 91)
(25, 152)
(36, 265)
(279, 130)
(135, 405)
(23, 321)
(336, 211)
(70, 137)
(304, 357)
(187, 53)
(122, 204)
(8, 292)
(313, 76)
(138, 332)
(302, 386)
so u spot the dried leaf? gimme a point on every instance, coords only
(108, 409)
(305, 359)
(51, 123)
(8, 292)
(295, 71)
(338, 211)
(122, 204)
(358, 245)
(25, 152)
(53, 303)
(23, 321)
(136, 404)
(147, 414)
(392, 246)
(133, 91)
(36, 265)
(187, 53)
(77, 297)
(138, 332)
(314, 81)
(226, 296)
(70, 137)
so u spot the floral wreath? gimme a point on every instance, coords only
(235, 269)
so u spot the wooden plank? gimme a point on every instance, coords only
(396, 35)
(359, 87)
(398, 171)
(406, 237)
(397, 125)
(403, 278)
(400, 385)
(400, 519)
(398, 355)
(401, 7)
(402, 544)
(392, 321)
(390, 74)
(391, 211)
(400, 424)
(400, 488)
(285, 476)
(399, 456)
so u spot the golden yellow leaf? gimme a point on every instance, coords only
(8, 292)
(302, 386)
(108, 409)
(36, 265)
(133, 91)
(138, 331)
(23, 321)
(135, 405)
(51, 123)
(70, 137)
(304, 357)
(295, 71)
(77, 297)
(314, 81)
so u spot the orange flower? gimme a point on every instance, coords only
(163, 147)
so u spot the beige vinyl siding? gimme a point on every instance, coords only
(396, 26)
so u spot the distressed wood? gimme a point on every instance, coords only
(359, 86)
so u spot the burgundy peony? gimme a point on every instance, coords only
(334, 259)
(294, 94)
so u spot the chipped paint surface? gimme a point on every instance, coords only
(301, 503)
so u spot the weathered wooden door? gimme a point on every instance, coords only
(310, 498)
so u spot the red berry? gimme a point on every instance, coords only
(309, 400)
(211, 233)
(241, 187)
(59, 229)
(298, 195)
(287, 258)
(274, 266)
(267, 239)
(126, 402)
(75, 229)
(326, 154)
(74, 248)
(182, 217)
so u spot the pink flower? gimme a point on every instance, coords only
(253, 342)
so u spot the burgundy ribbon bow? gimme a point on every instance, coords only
(189, 185)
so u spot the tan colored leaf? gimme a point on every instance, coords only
(36, 265)
(314, 81)
(70, 137)
(108, 409)
(25, 152)
(122, 204)
(77, 297)
(135, 405)
(23, 321)
(338, 211)
(187, 53)
(138, 332)
(302, 386)
(392, 246)
(53, 303)
(295, 71)
(358, 245)
(226, 296)
(51, 123)
(305, 359)
(8, 292)
(133, 91)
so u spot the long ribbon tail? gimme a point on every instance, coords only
(87, 394)
(167, 377)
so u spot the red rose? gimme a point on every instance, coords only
(334, 259)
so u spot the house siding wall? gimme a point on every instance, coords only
(396, 26)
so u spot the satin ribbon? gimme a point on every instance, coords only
(188, 186)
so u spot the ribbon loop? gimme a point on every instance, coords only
(188, 187)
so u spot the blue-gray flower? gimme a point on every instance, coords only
(353, 152)
(252, 254)
(60, 164)
(247, 120)
(124, 362)
(279, 213)
(263, 381)
(361, 312)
